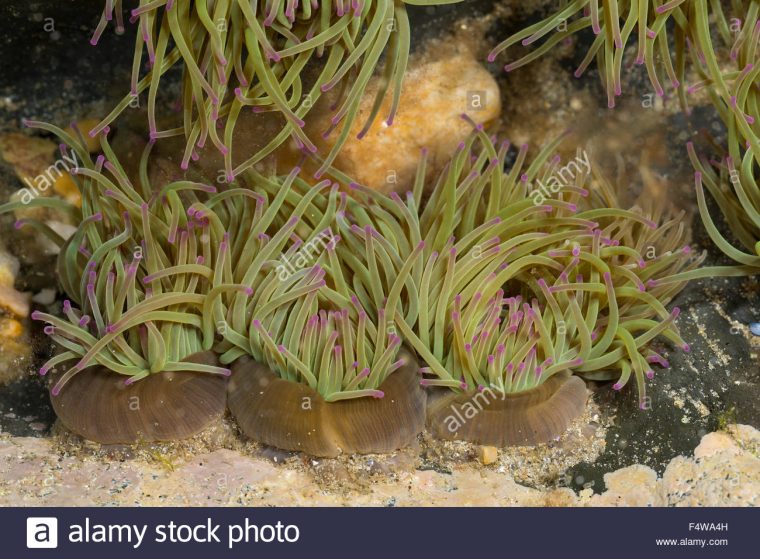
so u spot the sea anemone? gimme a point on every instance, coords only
(253, 54)
(735, 93)
(99, 406)
(314, 369)
(508, 351)
(613, 22)
(733, 184)
(590, 300)
(138, 271)
(336, 390)
(733, 181)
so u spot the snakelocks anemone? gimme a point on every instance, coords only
(613, 23)
(733, 180)
(734, 93)
(734, 185)
(317, 393)
(523, 285)
(652, 24)
(241, 55)
(137, 271)
(313, 370)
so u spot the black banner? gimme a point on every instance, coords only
(378, 532)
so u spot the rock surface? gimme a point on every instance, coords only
(724, 471)
(15, 351)
(12, 301)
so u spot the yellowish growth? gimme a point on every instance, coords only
(84, 126)
(29, 155)
(10, 328)
(65, 186)
(434, 96)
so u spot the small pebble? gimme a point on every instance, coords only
(754, 327)
(45, 297)
(487, 454)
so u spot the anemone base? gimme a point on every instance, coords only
(522, 419)
(293, 416)
(97, 405)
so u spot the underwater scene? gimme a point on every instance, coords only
(380, 253)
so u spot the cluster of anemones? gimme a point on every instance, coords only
(308, 292)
